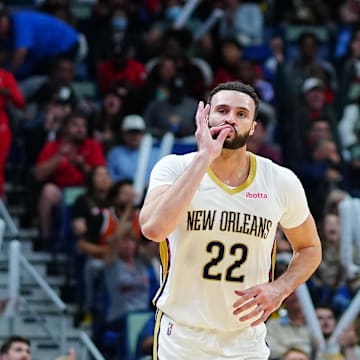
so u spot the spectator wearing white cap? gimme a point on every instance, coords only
(311, 84)
(310, 108)
(122, 159)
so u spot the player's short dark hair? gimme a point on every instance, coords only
(12, 339)
(237, 86)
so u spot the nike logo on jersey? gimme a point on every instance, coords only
(170, 328)
(204, 188)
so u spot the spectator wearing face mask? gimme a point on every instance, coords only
(167, 20)
(173, 114)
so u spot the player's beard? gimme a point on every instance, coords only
(237, 142)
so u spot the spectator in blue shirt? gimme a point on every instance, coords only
(35, 40)
(122, 159)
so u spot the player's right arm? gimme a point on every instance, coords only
(164, 205)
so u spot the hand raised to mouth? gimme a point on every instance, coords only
(207, 143)
(216, 130)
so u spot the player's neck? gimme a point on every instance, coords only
(232, 167)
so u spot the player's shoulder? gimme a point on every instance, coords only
(176, 160)
(270, 168)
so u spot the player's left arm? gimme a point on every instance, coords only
(307, 254)
(264, 299)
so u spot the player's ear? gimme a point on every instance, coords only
(253, 126)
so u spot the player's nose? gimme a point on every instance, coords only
(230, 118)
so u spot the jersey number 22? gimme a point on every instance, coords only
(238, 250)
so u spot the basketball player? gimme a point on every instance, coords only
(214, 213)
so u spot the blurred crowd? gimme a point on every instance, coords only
(83, 82)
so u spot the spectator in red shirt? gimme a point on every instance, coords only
(230, 54)
(121, 66)
(62, 163)
(9, 92)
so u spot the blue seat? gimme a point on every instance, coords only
(183, 147)
(125, 344)
(257, 53)
(69, 196)
(135, 321)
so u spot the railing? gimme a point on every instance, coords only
(16, 261)
(2, 233)
(89, 346)
(9, 222)
(349, 214)
(311, 319)
(144, 155)
(186, 12)
(209, 23)
(166, 145)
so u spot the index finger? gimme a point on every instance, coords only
(245, 294)
(202, 113)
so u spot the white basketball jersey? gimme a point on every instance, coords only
(225, 240)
